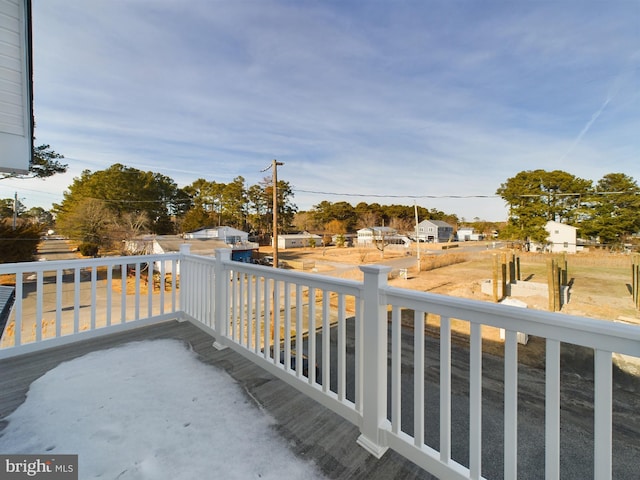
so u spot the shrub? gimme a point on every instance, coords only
(89, 249)
(19, 244)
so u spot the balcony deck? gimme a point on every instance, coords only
(434, 402)
(313, 432)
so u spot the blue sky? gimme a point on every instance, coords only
(381, 100)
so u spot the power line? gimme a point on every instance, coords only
(377, 195)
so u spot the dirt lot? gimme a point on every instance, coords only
(600, 282)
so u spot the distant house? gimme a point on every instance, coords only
(366, 236)
(388, 235)
(434, 231)
(298, 240)
(228, 235)
(466, 234)
(158, 244)
(562, 237)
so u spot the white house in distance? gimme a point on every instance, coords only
(434, 231)
(466, 234)
(562, 237)
(298, 240)
(367, 235)
(228, 235)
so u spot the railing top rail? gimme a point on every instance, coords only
(349, 287)
(22, 267)
(588, 332)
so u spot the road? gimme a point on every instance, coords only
(90, 306)
(55, 249)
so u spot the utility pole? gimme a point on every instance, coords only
(274, 165)
(415, 207)
(15, 210)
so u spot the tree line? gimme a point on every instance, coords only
(607, 211)
(119, 203)
(105, 207)
(342, 217)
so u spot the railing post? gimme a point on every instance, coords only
(221, 293)
(374, 361)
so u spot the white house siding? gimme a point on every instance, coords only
(228, 235)
(366, 236)
(297, 240)
(562, 237)
(16, 119)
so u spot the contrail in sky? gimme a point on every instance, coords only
(586, 128)
(617, 85)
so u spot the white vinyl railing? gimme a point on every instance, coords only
(346, 344)
(58, 302)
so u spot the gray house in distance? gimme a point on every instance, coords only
(434, 231)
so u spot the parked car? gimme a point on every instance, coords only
(268, 260)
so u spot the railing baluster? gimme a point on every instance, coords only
(137, 290)
(311, 339)
(287, 324)
(552, 411)
(251, 279)
(200, 292)
(174, 284)
(150, 289)
(359, 354)
(195, 289)
(59, 273)
(161, 286)
(276, 321)
(326, 336)
(445, 389)
(241, 308)
(396, 370)
(39, 320)
(211, 293)
(124, 273)
(418, 379)
(234, 306)
(94, 284)
(511, 405)
(342, 349)
(108, 291)
(266, 341)
(602, 406)
(299, 328)
(76, 300)
(258, 313)
(475, 402)
(17, 308)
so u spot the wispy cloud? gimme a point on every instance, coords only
(398, 98)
